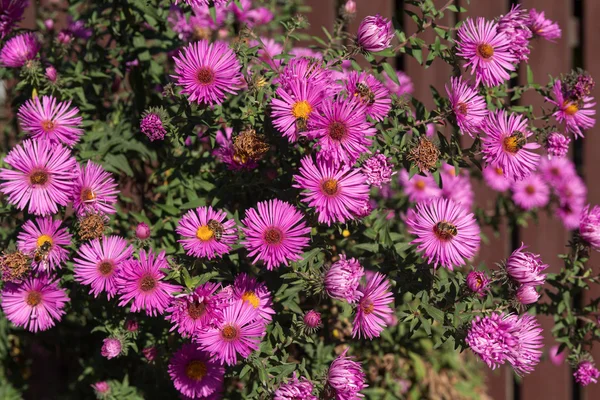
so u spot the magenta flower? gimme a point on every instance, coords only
(45, 241)
(294, 389)
(19, 50)
(555, 357)
(404, 86)
(505, 144)
(557, 145)
(342, 131)
(208, 72)
(247, 289)
(111, 347)
(555, 171)
(51, 120)
(371, 93)
(312, 320)
(268, 48)
(142, 231)
(586, 373)
(375, 33)
(101, 388)
(201, 3)
(294, 109)
(51, 74)
(276, 233)
(36, 304)
(336, 193)
(527, 294)
(346, 378)
(204, 306)
(486, 50)
(194, 373)
(542, 27)
(374, 307)
(152, 126)
(342, 279)
(494, 177)
(205, 233)
(468, 106)
(240, 333)
(306, 52)
(300, 70)
(531, 192)
(378, 169)
(11, 12)
(41, 178)
(525, 267)
(95, 190)
(457, 187)
(576, 114)
(589, 226)
(141, 282)
(150, 353)
(478, 282)
(419, 188)
(446, 233)
(515, 25)
(99, 262)
(225, 152)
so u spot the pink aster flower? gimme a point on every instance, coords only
(374, 307)
(19, 50)
(342, 279)
(557, 145)
(207, 72)
(152, 126)
(370, 92)
(572, 198)
(515, 25)
(276, 233)
(335, 193)
(486, 50)
(36, 304)
(225, 152)
(111, 348)
(586, 373)
(44, 240)
(205, 232)
(204, 306)
(240, 333)
(345, 378)
(306, 52)
(268, 48)
(505, 144)
(295, 109)
(494, 177)
(525, 267)
(419, 188)
(202, 3)
(589, 226)
(375, 33)
(577, 114)
(468, 106)
(312, 321)
(378, 169)
(101, 388)
(50, 119)
(194, 373)
(404, 86)
(11, 12)
(95, 190)
(51, 74)
(555, 171)
(295, 388)
(555, 357)
(531, 192)
(478, 282)
(457, 187)
(446, 233)
(247, 289)
(527, 294)
(543, 27)
(141, 282)
(257, 16)
(142, 231)
(41, 178)
(99, 262)
(302, 69)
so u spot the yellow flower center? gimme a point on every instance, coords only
(419, 185)
(251, 298)
(485, 51)
(571, 109)
(301, 109)
(499, 171)
(204, 233)
(196, 370)
(44, 239)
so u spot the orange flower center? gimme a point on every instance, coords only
(337, 131)
(485, 51)
(195, 370)
(148, 283)
(87, 194)
(251, 298)
(196, 310)
(229, 332)
(530, 189)
(33, 298)
(462, 108)
(420, 185)
(571, 109)
(38, 177)
(47, 126)
(301, 109)
(205, 76)
(330, 186)
(106, 267)
(273, 236)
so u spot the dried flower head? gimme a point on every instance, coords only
(249, 145)
(424, 155)
(91, 226)
(14, 266)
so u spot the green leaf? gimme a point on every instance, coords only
(389, 70)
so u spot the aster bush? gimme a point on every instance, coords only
(201, 201)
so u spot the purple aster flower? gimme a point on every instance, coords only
(194, 372)
(206, 233)
(35, 304)
(419, 188)
(142, 283)
(240, 332)
(111, 347)
(527, 294)
(478, 282)
(557, 145)
(101, 388)
(494, 177)
(11, 12)
(306, 52)
(345, 378)
(555, 171)
(457, 187)
(41, 178)
(207, 72)
(312, 320)
(531, 192)
(555, 357)
(370, 92)
(378, 169)
(202, 3)
(78, 29)
(468, 106)
(572, 198)
(505, 144)
(295, 109)
(446, 233)
(586, 373)
(525, 267)
(589, 226)
(152, 126)
(132, 325)
(515, 24)
(51, 74)
(576, 114)
(45, 241)
(142, 231)
(300, 70)
(294, 389)
(342, 279)
(486, 50)
(95, 190)
(542, 27)
(247, 289)
(150, 353)
(374, 307)
(375, 33)
(336, 193)
(268, 49)
(204, 306)
(19, 50)
(404, 86)
(257, 17)
(226, 152)
(276, 233)
(99, 262)
(342, 131)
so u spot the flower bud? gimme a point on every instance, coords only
(375, 33)
(477, 282)
(527, 294)
(142, 231)
(111, 347)
(51, 73)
